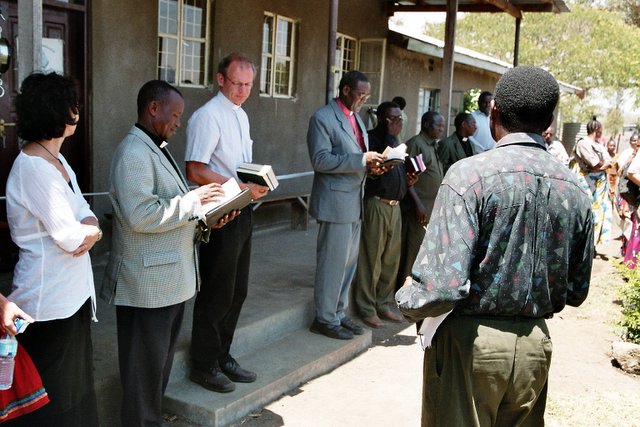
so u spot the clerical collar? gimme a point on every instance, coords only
(347, 112)
(159, 141)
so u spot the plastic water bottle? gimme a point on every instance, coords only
(8, 350)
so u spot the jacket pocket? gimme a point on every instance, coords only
(160, 258)
(344, 186)
(110, 279)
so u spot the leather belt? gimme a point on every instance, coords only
(388, 201)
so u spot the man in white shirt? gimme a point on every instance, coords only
(482, 139)
(217, 141)
(554, 146)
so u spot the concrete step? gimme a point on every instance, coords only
(253, 332)
(281, 366)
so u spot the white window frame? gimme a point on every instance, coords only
(274, 57)
(181, 39)
(340, 69)
(434, 97)
(376, 76)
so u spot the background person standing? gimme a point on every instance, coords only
(218, 140)
(152, 268)
(418, 203)
(482, 138)
(338, 149)
(379, 254)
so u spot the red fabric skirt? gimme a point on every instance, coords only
(27, 393)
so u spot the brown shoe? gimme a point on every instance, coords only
(390, 315)
(373, 321)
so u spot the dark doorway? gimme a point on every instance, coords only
(66, 22)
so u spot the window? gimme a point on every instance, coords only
(428, 100)
(372, 64)
(183, 26)
(346, 51)
(278, 53)
(364, 55)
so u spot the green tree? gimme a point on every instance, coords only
(588, 47)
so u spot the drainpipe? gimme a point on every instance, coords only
(331, 51)
(516, 47)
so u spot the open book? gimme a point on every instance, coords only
(258, 174)
(395, 155)
(234, 199)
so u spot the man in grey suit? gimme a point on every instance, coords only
(337, 142)
(152, 266)
(457, 145)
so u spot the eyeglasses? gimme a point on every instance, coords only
(394, 119)
(239, 85)
(362, 95)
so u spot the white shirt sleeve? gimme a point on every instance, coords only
(203, 135)
(46, 195)
(634, 167)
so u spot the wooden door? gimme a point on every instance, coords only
(65, 21)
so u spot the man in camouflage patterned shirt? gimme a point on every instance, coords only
(510, 242)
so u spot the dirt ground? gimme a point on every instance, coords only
(382, 386)
(584, 388)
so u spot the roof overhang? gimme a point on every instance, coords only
(433, 47)
(513, 7)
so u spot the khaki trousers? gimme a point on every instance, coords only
(487, 371)
(378, 258)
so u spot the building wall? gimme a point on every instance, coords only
(407, 71)
(124, 39)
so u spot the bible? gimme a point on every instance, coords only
(395, 155)
(415, 165)
(258, 174)
(234, 199)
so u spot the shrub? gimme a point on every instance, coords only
(629, 292)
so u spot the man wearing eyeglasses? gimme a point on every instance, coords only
(218, 140)
(379, 255)
(338, 149)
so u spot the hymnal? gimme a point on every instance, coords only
(258, 174)
(415, 164)
(234, 199)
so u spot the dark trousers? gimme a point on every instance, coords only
(146, 345)
(224, 269)
(63, 354)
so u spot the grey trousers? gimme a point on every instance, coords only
(336, 258)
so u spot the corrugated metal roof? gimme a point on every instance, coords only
(421, 43)
(513, 7)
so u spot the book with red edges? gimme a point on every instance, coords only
(415, 165)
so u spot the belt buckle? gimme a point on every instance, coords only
(394, 202)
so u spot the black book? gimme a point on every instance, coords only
(258, 174)
(216, 210)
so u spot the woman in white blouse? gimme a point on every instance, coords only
(54, 229)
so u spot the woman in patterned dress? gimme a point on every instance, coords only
(590, 161)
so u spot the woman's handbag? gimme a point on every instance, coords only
(27, 393)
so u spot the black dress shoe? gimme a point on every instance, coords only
(331, 331)
(349, 324)
(235, 373)
(212, 379)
